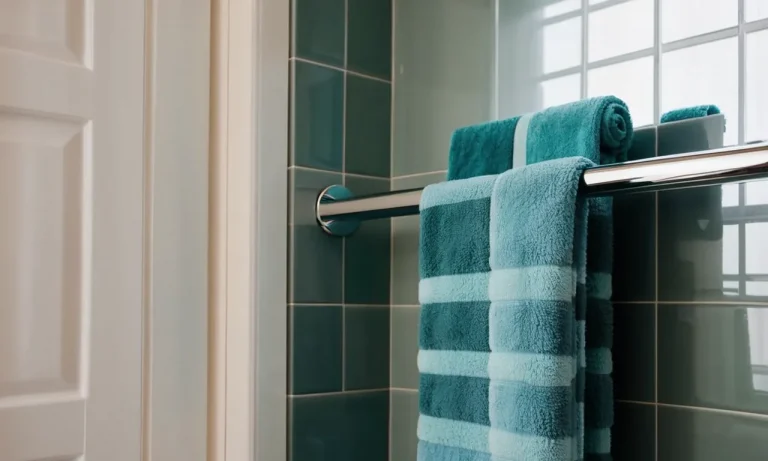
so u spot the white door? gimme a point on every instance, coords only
(71, 198)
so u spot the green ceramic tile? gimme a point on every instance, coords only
(634, 352)
(712, 355)
(404, 416)
(701, 435)
(634, 261)
(697, 245)
(316, 260)
(369, 39)
(444, 68)
(367, 255)
(317, 116)
(366, 346)
(691, 135)
(405, 347)
(405, 245)
(316, 349)
(339, 427)
(633, 436)
(318, 30)
(367, 135)
(304, 186)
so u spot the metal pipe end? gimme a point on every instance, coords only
(335, 227)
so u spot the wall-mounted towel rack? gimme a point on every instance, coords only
(339, 212)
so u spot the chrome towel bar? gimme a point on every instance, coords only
(339, 213)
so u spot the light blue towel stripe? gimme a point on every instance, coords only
(599, 361)
(597, 440)
(599, 285)
(529, 447)
(459, 434)
(521, 141)
(547, 283)
(454, 363)
(534, 369)
(454, 288)
(450, 192)
(429, 452)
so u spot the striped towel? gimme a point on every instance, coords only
(494, 329)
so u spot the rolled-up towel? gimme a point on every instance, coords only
(689, 112)
(599, 129)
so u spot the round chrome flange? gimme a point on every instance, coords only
(340, 227)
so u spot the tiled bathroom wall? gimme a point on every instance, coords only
(339, 288)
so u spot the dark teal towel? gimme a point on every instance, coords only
(689, 112)
(599, 129)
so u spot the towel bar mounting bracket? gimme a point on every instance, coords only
(335, 227)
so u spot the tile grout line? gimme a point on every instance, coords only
(336, 393)
(320, 170)
(416, 175)
(742, 78)
(584, 47)
(392, 77)
(344, 182)
(332, 67)
(698, 408)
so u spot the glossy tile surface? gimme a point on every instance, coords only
(316, 349)
(304, 187)
(339, 427)
(634, 247)
(314, 258)
(369, 42)
(317, 113)
(634, 351)
(707, 235)
(714, 356)
(438, 91)
(366, 347)
(691, 135)
(633, 437)
(405, 347)
(367, 134)
(405, 241)
(700, 435)
(318, 30)
(404, 412)
(367, 253)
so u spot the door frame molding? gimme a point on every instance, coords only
(248, 245)
(175, 221)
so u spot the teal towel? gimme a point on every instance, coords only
(599, 129)
(505, 293)
(689, 112)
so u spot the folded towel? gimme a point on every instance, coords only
(599, 129)
(504, 291)
(689, 112)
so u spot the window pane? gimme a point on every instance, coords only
(757, 288)
(755, 9)
(704, 74)
(731, 249)
(757, 193)
(562, 45)
(686, 18)
(756, 99)
(561, 7)
(756, 248)
(730, 195)
(631, 81)
(730, 287)
(620, 29)
(560, 90)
